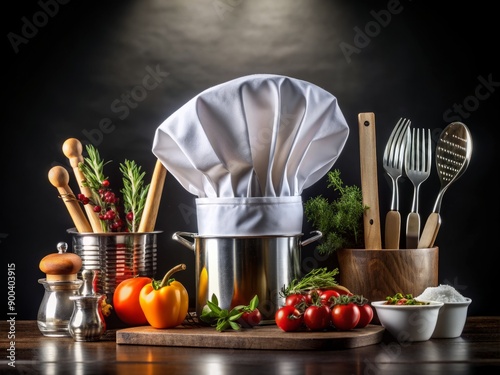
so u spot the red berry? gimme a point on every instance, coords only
(130, 216)
(105, 183)
(97, 208)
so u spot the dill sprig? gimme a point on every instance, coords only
(340, 221)
(134, 193)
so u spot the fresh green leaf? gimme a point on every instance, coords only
(214, 307)
(223, 319)
(235, 325)
(254, 303)
(233, 317)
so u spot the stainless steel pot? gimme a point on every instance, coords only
(236, 269)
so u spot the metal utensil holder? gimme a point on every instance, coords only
(116, 256)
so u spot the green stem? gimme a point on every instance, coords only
(166, 278)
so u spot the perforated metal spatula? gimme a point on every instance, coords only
(453, 153)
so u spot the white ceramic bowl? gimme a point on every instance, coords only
(451, 319)
(408, 323)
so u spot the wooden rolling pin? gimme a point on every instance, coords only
(59, 177)
(72, 149)
(148, 218)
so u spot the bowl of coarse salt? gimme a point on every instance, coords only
(453, 313)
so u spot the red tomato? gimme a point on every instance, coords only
(345, 316)
(250, 318)
(317, 318)
(326, 295)
(294, 299)
(312, 296)
(126, 301)
(366, 315)
(288, 318)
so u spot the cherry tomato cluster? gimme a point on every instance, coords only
(320, 310)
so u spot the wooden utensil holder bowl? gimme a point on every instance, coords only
(376, 274)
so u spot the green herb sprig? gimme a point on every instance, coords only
(224, 319)
(92, 169)
(318, 278)
(106, 204)
(340, 221)
(134, 193)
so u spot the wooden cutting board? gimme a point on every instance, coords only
(266, 337)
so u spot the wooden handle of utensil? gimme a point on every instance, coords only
(369, 180)
(59, 177)
(148, 219)
(73, 149)
(392, 229)
(412, 230)
(430, 231)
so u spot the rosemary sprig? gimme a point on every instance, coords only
(318, 278)
(92, 168)
(103, 198)
(134, 193)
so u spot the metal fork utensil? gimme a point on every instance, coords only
(418, 165)
(393, 160)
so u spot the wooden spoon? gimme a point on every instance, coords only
(148, 219)
(59, 177)
(72, 149)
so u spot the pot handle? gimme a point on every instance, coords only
(178, 236)
(316, 237)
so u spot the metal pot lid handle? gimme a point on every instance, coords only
(179, 237)
(314, 238)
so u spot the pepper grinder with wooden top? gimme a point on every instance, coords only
(60, 284)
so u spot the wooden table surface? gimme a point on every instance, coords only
(477, 351)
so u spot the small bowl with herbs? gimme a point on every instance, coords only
(408, 319)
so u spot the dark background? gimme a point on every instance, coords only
(407, 59)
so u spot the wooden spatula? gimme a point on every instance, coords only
(369, 180)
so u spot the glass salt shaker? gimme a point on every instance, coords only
(60, 284)
(87, 321)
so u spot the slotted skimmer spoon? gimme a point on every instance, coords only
(453, 153)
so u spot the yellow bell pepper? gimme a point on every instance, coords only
(165, 304)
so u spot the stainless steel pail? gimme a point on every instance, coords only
(116, 256)
(236, 269)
